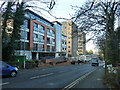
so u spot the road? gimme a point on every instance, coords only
(93, 80)
(53, 77)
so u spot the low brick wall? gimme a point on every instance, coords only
(64, 63)
(53, 62)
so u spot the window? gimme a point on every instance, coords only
(48, 40)
(80, 44)
(68, 28)
(65, 48)
(27, 47)
(80, 35)
(35, 46)
(80, 41)
(48, 31)
(68, 37)
(26, 23)
(53, 32)
(53, 48)
(65, 27)
(79, 47)
(69, 33)
(79, 50)
(80, 38)
(41, 38)
(41, 47)
(22, 45)
(42, 29)
(28, 36)
(69, 23)
(69, 42)
(69, 51)
(35, 37)
(23, 35)
(35, 27)
(53, 41)
(65, 43)
(68, 46)
(48, 48)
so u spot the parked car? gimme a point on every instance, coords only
(7, 70)
(95, 62)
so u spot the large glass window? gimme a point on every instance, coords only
(80, 38)
(35, 46)
(26, 23)
(53, 48)
(53, 32)
(48, 31)
(35, 27)
(41, 47)
(23, 35)
(42, 29)
(53, 41)
(42, 38)
(48, 40)
(21, 45)
(48, 48)
(35, 37)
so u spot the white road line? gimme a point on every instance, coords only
(4, 83)
(78, 80)
(41, 76)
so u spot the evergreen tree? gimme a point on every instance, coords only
(5, 39)
(9, 43)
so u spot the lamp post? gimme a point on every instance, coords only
(24, 48)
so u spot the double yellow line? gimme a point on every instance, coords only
(78, 80)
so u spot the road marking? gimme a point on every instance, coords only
(99, 79)
(78, 80)
(41, 76)
(4, 83)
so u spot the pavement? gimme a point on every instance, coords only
(93, 80)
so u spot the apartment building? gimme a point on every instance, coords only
(38, 37)
(81, 43)
(64, 48)
(69, 29)
(61, 41)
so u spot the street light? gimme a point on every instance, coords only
(24, 48)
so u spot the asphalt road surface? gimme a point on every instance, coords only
(52, 77)
(93, 80)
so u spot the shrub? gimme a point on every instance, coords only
(73, 62)
(110, 80)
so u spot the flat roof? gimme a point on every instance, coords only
(28, 10)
